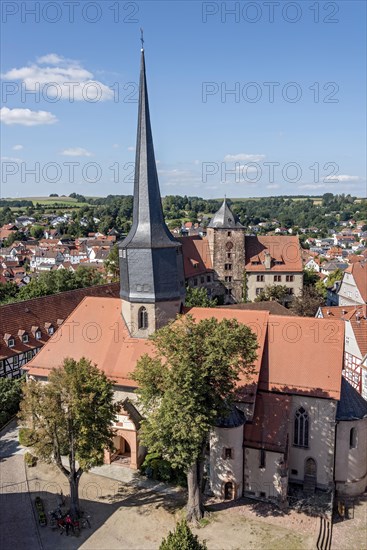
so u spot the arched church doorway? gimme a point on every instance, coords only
(310, 477)
(228, 490)
(122, 453)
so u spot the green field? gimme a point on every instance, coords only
(68, 202)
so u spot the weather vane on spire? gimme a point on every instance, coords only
(142, 38)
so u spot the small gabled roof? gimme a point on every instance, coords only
(224, 218)
(351, 406)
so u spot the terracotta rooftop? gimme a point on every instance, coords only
(296, 355)
(196, 255)
(356, 316)
(285, 252)
(39, 312)
(303, 356)
(269, 427)
(273, 307)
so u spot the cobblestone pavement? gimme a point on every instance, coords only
(18, 529)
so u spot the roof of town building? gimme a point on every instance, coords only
(285, 253)
(196, 255)
(35, 314)
(356, 316)
(351, 406)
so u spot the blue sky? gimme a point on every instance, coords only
(293, 124)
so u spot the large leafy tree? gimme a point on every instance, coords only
(277, 293)
(307, 304)
(198, 297)
(187, 386)
(70, 415)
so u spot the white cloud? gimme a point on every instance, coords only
(62, 79)
(26, 117)
(115, 146)
(131, 148)
(76, 152)
(52, 59)
(341, 178)
(273, 186)
(17, 147)
(244, 156)
(312, 186)
(11, 159)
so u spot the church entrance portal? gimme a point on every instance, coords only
(309, 483)
(228, 491)
(122, 454)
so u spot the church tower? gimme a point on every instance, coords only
(152, 282)
(226, 238)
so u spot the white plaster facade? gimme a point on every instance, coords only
(351, 457)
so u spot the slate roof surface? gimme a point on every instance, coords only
(225, 219)
(351, 406)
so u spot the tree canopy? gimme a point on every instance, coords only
(189, 385)
(70, 415)
(198, 297)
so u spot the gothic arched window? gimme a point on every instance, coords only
(143, 318)
(301, 425)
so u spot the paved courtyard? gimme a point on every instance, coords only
(130, 513)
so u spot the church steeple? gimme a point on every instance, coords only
(152, 285)
(149, 228)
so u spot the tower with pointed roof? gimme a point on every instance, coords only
(152, 283)
(226, 238)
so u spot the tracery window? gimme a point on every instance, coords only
(301, 428)
(143, 318)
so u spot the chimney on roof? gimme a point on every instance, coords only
(328, 312)
(267, 260)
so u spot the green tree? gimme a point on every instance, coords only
(70, 415)
(8, 292)
(37, 231)
(186, 387)
(277, 293)
(182, 538)
(308, 303)
(10, 396)
(112, 263)
(198, 297)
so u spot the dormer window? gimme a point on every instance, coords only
(50, 328)
(9, 340)
(25, 338)
(38, 335)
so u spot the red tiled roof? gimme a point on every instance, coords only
(196, 255)
(356, 316)
(296, 354)
(39, 312)
(304, 356)
(281, 248)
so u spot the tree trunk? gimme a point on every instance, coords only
(74, 495)
(195, 508)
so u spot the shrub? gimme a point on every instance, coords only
(156, 467)
(25, 437)
(30, 459)
(182, 538)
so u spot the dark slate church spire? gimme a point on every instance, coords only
(151, 263)
(149, 228)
